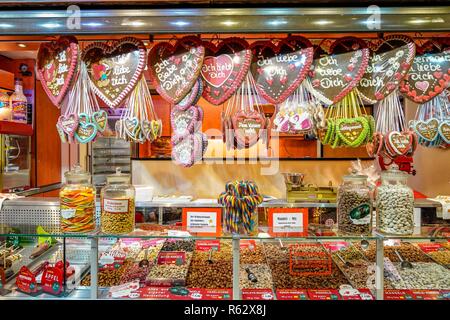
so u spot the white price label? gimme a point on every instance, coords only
(287, 222)
(201, 221)
(115, 206)
(68, 213)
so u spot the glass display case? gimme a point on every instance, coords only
(170, 261)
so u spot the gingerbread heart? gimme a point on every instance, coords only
(84, 117)
(86, 132)
(174, 69)
(156, 128)
(189, 99)
(444, 131)
(56, 66)
(224, 68)
(68, 123)
(183, 121)
(398, 143)
(247, 127)
(428, 76)
(146, 127)
(427, 130)
(279, 69)
(334, 75)
(100, 119)
(115, 69)
(374, 147)
(184, 151)
(132, 127)
(389, 63)
(352, 131)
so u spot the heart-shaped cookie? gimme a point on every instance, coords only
(398, 143)
(100, 119)
(56, 66)
(334, 75)
(444, 131)
(183, 121)
(115, 69)
(389, 62)
(184, 151)
(352, 131)
(224, 68)
(132, 127)
(174, 69)
(68, 123)
(374, 147)
(427, 130)
(146, 127)
(84, 118)
(86, 132)
(189, 99)
(156, 128)
(247, 127)
(429, 74)
(279, 69)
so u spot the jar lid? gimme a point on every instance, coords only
(355, 177)
(394, 172)
(118, 177)
(77, 174)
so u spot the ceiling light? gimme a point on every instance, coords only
(136, 23)
(277, 22)
(6, 25)
(50, 25)
(322, 22)
(22, 45)
(93, 24)
(180, 23)
(419, 21)
(229, 23)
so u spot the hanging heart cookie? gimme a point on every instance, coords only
(427, 130)
(115, 69)
(189, 99)
(224, 68)
(174, 69)
(57, 66)
(184, 150)
(398, 143)
(183, 121)
(86, 132)
(146, 127)
(132, 127)
(334, 75)
(352, 131)
(61, 133)
(444, 130)
(247, 127)
(100, 119)
(68, 123)
(389, 62)
(279, 69)
(429, 74)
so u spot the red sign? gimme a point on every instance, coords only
(247, 244)
(292, 294)
(335, 245)
(392, 294)
(323, 294)
(26, 281)
(257, 294)
(111, 260)
(172, 257)
(427, 294)
(202, 294)
(206, 245)
(358, 294)
(431, 247)
(52, 280)
(288, 221)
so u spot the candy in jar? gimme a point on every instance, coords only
(395, 204)
(117, 199)
(354, 206)
(77, 202)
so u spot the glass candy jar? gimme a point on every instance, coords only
(395, 204)
(117, 199)
(354, 206)
(77, 202)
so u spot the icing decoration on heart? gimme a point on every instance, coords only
(183, 121)
(389, 62)
(175, 69)
(444, 131)
(352, 131)
(68, 123)
(279, 69)
(132, 127)
(115, 69)
(184, 150)
(85, 132)
(56, 66)
(398, 143)
(429, 74)
(224, 68)
(100, 119)
(189, 99)
(427, 130)
(328, 71)
(247, 127)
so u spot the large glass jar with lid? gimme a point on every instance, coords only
(354, 206)
(117, 199)
(395, 204)
(77, 202)
(5, 106)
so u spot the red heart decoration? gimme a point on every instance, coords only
(224, 68)
(56, 66)
(174, 81)
(115, 69)
(330, 70)
(247, 127)
(286, 64)
(388, 65)
(427, 71)
(398, 143)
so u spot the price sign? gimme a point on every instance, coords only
(324, 294)
(52, 280)
(257, 294)
(206, 245)
(26, 281)
(292, 294)
(172, 257)
(288, 221)
(202, 221)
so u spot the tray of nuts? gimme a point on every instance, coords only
(407, 250)
(107, 278)
(169, 274)
(255, 276)
(423, 275)
(437, 252)
(179, 245)
(252, 253)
